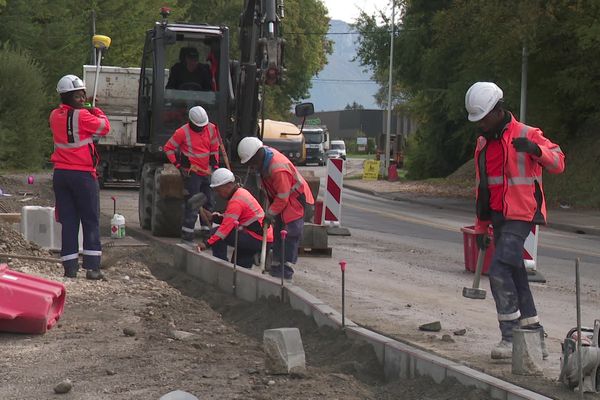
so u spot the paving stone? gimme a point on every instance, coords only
(284, 351)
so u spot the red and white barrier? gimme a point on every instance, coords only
(530, 250)
(332, 208)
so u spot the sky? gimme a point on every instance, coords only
(348, 10)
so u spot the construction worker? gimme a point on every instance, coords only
(74, 180)
(242, 207)
(509, 158)
(189, 73)
(194, 150)
(288, 195)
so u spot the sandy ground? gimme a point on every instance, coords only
(117, 339)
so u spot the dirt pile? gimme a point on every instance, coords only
(16, 192)
(121, 339)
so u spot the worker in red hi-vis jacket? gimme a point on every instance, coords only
(241, 207)
(194, 150)
(289, 198)
(509, 158)
(74, 180)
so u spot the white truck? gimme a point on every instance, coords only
(316, 140)
(121, 156)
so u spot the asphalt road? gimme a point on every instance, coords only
(557, 250)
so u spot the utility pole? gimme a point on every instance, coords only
(523, 110)
(386, 162)
(93, 33)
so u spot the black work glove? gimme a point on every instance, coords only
(483, 241)
(524, 145)
(268, 221)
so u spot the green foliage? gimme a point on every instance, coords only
(57, 35)
(441, 47)
(24, 133)
(354, 106)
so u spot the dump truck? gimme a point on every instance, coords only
(317, 144)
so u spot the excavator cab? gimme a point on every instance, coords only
(183, 66)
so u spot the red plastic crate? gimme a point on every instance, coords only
(29, 304)
(471, 249)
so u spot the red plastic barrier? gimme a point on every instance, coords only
(472, 251)
(318, 217)
(29, 304)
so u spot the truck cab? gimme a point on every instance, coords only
(317, 143)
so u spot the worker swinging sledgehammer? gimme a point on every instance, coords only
(509, 158)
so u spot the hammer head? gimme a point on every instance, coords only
(473, 293)
(196, 201)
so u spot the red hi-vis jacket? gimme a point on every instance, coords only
(522, 191)
(198, 147)
(242, 207)
(285, 185)
(72, 129)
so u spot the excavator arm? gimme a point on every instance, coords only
(261, 61)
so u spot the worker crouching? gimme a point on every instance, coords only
(241, 207)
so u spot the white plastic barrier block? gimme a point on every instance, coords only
(39, 226)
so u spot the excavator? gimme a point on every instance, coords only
(232, 97)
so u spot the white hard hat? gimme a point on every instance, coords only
(248, 147)
(481, 98)
(220, 177)
(69, 83)
(198, 116)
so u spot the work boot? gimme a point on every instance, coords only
(94, 274)
(70, 273)
(502, 350)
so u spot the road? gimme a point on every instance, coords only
(406, 268)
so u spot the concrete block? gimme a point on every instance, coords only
(38, 225)
(301, 300)
(396, 364)
(178, 395)
(224, 277)
(377, 341)
(327, 316)
(284, 353)
(497, 393)
(179, 257)
(469, 377)
(201, 266)
(314, 236)
(268, 286)
(427, 367)
(524, 394)
(527, 352)
(246, 285)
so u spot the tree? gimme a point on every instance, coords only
(354, 106)
(443, 46)
(23, 124)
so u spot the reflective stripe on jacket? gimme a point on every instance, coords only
(72, 131)
(198, 147)
(522, 190)
(285, 185)
(242, 207)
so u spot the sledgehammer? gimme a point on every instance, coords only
(476, 292)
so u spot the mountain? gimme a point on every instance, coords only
(342, 81)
